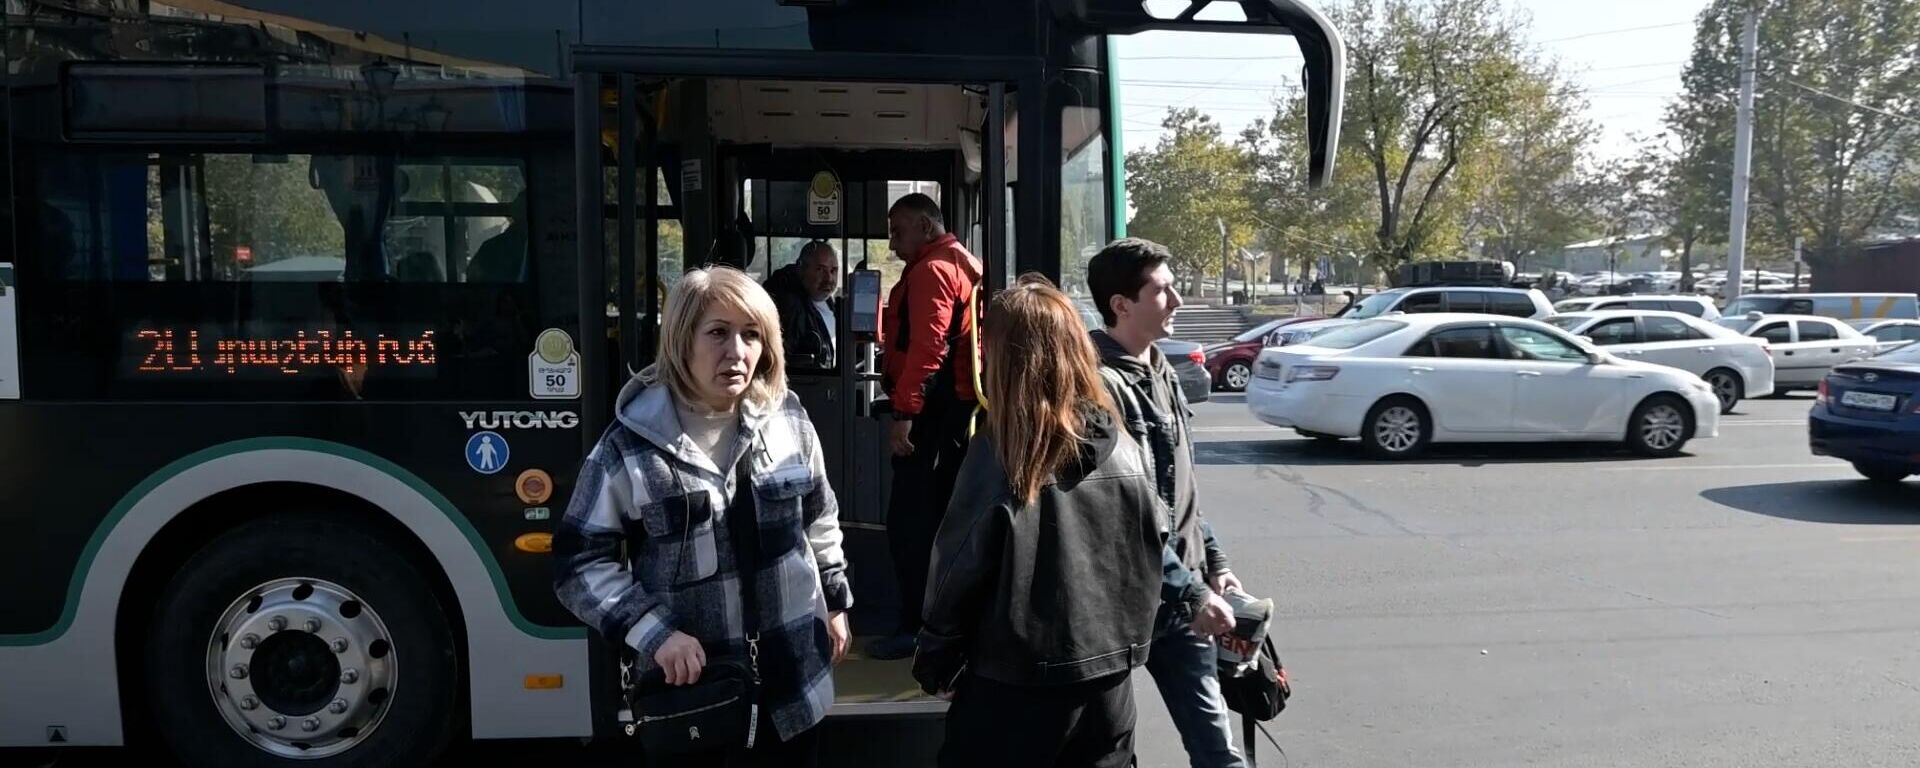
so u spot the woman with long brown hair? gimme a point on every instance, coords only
(1046, 571)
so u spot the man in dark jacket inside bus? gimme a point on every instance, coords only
(1134, 292)
(803, 293)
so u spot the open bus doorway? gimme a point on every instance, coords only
(750, 166)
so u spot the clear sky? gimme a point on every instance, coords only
(1626, 53)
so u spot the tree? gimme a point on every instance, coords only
(1626, 197)
(1532, 184)
(1426, 83)
(1839, 84)
(1298, 224)
(1185, 184)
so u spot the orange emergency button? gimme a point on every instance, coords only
(534, 487)
(545, 682)
(534, 542)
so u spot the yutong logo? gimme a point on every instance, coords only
(520, 419)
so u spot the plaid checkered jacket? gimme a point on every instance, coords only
(645, 549)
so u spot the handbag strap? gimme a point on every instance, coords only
(743, 526)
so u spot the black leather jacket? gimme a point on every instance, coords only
(1054, 592)
(808, 341)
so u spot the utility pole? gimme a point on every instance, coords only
(1799, 260)
(1224, 298)
(1742, 158)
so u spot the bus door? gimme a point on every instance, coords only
(745, 157)
(803, 200)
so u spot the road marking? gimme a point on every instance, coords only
(1718, 467)
(1871, 539)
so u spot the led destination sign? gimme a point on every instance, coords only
(193, 353)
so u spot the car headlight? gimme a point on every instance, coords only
(1699, 385)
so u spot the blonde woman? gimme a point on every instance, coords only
(661, 483)
(1047, 567)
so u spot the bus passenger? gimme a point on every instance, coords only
(930, 352)
(803, 292)
(1134, 292)
(664, 483)
(1046, 571)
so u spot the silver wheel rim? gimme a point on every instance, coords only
(1397, 429)
(1661, 427)
(1725, 389)
(301, 668)
(1237, 375)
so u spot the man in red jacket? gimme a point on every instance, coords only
(930, 350)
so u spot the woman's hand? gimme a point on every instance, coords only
(840, 633)
(682, 658)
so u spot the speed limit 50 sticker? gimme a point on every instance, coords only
(553, 369)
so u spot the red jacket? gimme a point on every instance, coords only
(935, 289)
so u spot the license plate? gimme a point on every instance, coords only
(1868, 401)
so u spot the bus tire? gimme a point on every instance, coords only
(297, 640)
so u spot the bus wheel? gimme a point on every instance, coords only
(298, 639)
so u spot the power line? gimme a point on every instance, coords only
(1211, 58)
(1851, 102)
(1611, 86)
(1187, 85)
(1648, 65)
(1622, 31)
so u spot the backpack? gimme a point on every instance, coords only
(1258, 695)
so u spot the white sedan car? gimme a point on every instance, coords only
(1804, 347)
(1735, 366)
(1401, 382)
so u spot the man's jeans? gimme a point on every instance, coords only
(1184, 668)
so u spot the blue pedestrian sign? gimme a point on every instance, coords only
(487, 452)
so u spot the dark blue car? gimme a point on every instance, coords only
(1868, 413)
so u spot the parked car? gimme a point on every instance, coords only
(1697, 306)
(1841, 306)
(1188, 362)
(1736, 366)
(1889, 335)
(1230, 363)
(1868, 413)
(1402, 382)
(1191, 365)
(1803, 347)
(1513, 302)
(1299, 333)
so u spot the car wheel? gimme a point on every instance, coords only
(1236, 376)
(1396, 428)
(297, 639)
(1660, 427)
(1884, 474)
(1726, 386)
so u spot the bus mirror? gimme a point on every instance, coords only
(863, 292)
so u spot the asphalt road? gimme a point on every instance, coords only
(1746, 604)
(1743, 605)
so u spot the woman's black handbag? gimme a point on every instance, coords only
(722, 710)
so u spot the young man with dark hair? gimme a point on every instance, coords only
(1134, 292)
(929, 348)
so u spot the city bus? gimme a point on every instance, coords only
(310, 311)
